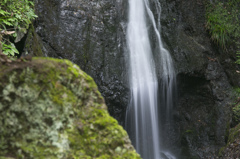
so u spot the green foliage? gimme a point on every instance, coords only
(15, 17)
(223, 22)
(237, 91)
(9, 49)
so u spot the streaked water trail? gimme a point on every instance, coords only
(142, 114)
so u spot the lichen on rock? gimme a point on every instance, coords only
(51, 109)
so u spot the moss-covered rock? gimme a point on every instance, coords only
(232, 150)
(33, 44)
(50, 109)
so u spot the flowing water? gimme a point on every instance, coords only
(142, 118)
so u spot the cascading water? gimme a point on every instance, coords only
(142, 120)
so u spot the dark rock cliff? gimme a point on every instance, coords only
(92, 34)
(205, 79)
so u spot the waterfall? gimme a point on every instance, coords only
(142, 118)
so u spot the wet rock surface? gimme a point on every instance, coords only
(205, 79)
(92, 34)
(89, 33)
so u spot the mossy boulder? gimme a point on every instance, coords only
(50, 108)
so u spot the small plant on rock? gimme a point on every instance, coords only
(223, 22)
(15, 17)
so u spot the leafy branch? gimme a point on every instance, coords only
(15, 17)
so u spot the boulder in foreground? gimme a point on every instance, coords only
(49, 108)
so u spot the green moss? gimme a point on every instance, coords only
(232, 144)
(51, 109)
(189, 131)
(221, 151)
(234, 133)
(236, 106)
(236, 113)
(33, 45)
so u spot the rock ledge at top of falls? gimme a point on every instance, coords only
(50, 108)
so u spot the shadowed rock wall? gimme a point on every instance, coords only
(206, 75)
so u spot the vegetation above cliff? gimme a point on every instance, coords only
(223, 24)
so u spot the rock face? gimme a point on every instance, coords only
(92, 34)
(205, 79)
(51, 109)
(232, 150)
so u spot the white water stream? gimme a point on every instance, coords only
(142, 120)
